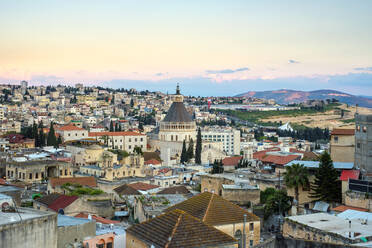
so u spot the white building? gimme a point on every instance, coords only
(121, 140)
(71, 132)
(229, 137)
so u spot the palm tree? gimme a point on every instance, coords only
(294, 177)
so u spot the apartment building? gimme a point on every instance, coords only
(121, 140)
(229, 137)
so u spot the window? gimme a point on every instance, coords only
(75, 134)
(130, 147)
(109, 245)
(166, 183)
(36, 175)
(364, 129)
(251, 243)
(141, 139)
(335, 139)
(205, 190)
(130, 140)
(30, 176)
(251, 227)
(69, 134)
(358, 128)
(100, 245)
(358, 145)
(60, 172)
(65, 172)
(135, 139)
(42, 174)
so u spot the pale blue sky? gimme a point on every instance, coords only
(191, 42)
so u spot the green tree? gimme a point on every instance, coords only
(326, 186)
(140, 126)
(183, 153)
(111, 126)
(59, 141)
(217, 167)
(41, 138)
(198, 148)
(190, 150)
(296, 176)
(138, 150)
(277, 203)
(131, 103)
(52, 140)
(35, 134)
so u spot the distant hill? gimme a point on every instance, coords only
(295, 96)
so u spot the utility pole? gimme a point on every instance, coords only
(244, 233)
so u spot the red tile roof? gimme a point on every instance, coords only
(294, 150)
(142, 186)
(352, 174)
(97, 219)
(57, 201)
(128, 133)
(343, 208)
(259, 155)
(279, 160)
(152, 161)
(70, 127)
(342, 131)
(164, 170)
(85, 181)
(231, 161)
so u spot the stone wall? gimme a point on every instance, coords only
(76, 233)
(31, 233)
(242, 196)
(134, 242)
(253, 235)
(358, 199)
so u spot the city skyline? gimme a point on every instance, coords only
(209, 47)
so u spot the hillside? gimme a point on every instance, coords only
(295, 96)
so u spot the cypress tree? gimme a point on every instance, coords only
(41, 138)
(116, 127)
(35, 134)
(52, 140)
(59, 141)
(326, 186)
(190, 150)
(184, 153)
(111, 126)
(198, 148)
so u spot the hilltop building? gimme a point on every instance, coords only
(363, 143)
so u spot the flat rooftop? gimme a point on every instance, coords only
(334, 224)
(22, 214)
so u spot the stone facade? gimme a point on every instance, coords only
(358, 199)
(342, 147)
(252, 231)
(75, 233)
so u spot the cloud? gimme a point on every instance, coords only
(227, 71)
(363, 68)
(292, 61)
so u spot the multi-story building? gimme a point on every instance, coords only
(71, 132)
(121, 140)
(229, 137)
(342, 145)
(363, 142)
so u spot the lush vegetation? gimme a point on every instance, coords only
(296, 176)
(310, 134)
(121, 153)
(326, 186)
(187, 154)
(275, 202)
(78, 190)
(256, 116)
(217, 167)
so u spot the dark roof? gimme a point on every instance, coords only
(126, 190)
(174, 190)
(56, 201)
(214, 210)
(179, 229)
(177, 113)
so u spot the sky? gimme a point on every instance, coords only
(208, 47)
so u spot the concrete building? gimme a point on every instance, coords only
(363, 143)
(229, 137)
(71, 133)
(326, 228)
(121, 140)
(28, 228)
(342, 145)
(72, 230)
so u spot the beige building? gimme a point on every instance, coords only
(227, 217)
(30, 171)
(126, 141)
(229, 137)
(342, 145)
(71, 133)
(96, 161)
